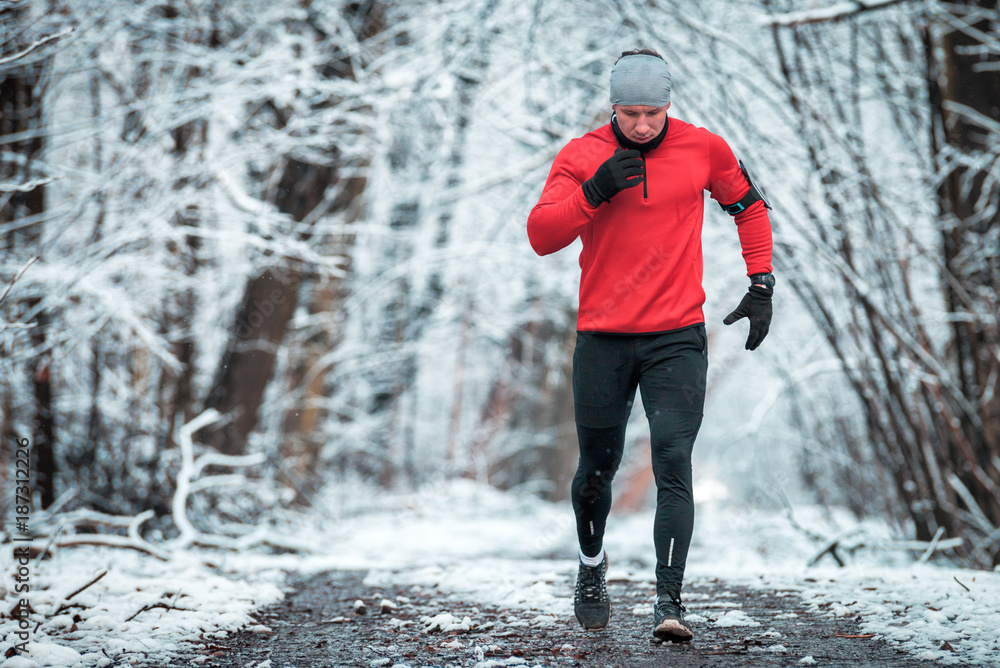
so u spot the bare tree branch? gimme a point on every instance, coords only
(835, 12)
(19, 274)
(24, 187)
(35, 45)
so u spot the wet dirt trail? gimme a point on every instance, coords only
(317, 626)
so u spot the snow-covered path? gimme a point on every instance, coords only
(415, 626)
(494, 550)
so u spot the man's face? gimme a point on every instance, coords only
(640, 123)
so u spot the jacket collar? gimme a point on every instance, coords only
(628, 143)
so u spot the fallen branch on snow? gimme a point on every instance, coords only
(63, 604)
(51, 522)
(158, 604)
(853, 539)
(188, 481)
(110, 540)
(89, 518)
(933, 546)
(927, 548)
(833, 545)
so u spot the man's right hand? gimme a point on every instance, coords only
(622, 170)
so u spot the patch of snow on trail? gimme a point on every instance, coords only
(735, 618)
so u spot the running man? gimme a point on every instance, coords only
(632, 191)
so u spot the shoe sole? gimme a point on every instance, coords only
(672, 630)
(595, 628)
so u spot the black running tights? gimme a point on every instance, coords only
(669, 369)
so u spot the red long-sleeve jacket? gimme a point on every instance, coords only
(641, 263)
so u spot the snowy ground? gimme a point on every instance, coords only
(499, 549)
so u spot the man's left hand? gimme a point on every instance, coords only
(755, 305)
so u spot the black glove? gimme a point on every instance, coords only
(756, 305)
(622, 170)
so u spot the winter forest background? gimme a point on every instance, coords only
(302, 223)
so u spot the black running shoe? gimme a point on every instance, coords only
(668, 621)
(591, 602)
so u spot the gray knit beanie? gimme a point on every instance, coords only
(641, 79)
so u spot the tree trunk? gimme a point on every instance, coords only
(268, 305)
(530, 408)
(21, 113)
(270, 300)
(965, 94)
(302, 437)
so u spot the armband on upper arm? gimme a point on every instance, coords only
(753, 195)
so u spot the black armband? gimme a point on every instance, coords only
(753, 195)
(765, 281)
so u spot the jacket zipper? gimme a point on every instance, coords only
(645, 178)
